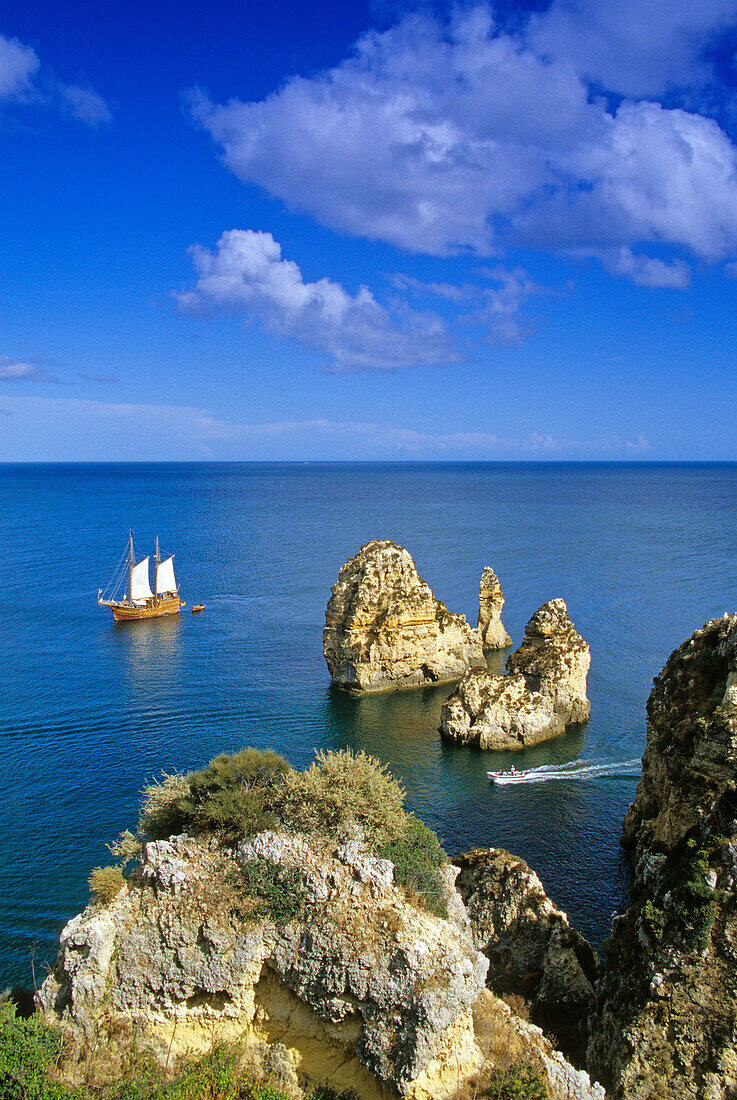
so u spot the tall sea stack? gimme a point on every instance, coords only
(384, 628)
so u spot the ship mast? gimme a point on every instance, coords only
(156, 572)
(130, 566)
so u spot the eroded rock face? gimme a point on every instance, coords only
(491, 602)
(554, 660)
(544, 691)
(383, 984)
(665, 1025)
(361, 989)
(498, 712)
(532, 950)
(384, 629)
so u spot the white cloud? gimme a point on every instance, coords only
(18, 65)
(71, 429)
(84, 104)
(22, 80)
(498, 309)
(246, 274)
(634, 47)
(445, 137)
(18, 370)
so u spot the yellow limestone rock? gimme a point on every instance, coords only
(384, 629)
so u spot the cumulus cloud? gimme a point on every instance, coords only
(19, 370)
(246, 274)
(22, 80)
(634, 47)
(452, 136)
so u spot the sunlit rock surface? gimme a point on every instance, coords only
(491, 602)
(544, 691)
(363, 989)
(384, 629)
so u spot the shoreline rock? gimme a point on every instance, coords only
(491, 602)
(532, 950)
(384, 629)
(543, 692)
(363, 989)
(664, 1024)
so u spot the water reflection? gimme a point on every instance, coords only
(152, 653)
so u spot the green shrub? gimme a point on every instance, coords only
(230, 795)
(519, 1082)
(105, 883)
(280, 890)
(343, 793)
(417, 856)
(27, 1050)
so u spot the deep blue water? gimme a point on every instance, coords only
(89, 711)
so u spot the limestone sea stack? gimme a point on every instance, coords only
(544, 692)
(554, 660)
(384, 628)
(664, 1025)
(491, 602)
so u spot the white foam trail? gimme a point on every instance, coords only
(577, 769)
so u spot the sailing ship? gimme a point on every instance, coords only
(139, 602)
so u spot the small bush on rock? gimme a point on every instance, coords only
(230, 795)
(417, 856)
(105, 883)
(343, 793)
(280, 890)
(519, 1082)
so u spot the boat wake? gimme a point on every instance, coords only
(573, 770)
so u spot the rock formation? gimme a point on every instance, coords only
(532, 950)
(384, 629)
(555, 660)
(361, 988)
(491, 602)
(665, 1023)
(544, 691)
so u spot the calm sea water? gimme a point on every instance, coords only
(89, 711)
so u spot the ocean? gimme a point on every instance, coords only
(90, 711)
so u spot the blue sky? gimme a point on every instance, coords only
(368, 231)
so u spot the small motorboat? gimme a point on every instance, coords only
(509, 776)
(197, 607)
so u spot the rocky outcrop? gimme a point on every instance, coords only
(384, 629)
(360, 987)
(532, 950)
(491, 602)
(665, 1022)
(554, 660)
(498, 712)
(544, 691)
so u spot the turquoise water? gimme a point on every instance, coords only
(89, 711)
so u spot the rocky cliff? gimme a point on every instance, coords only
(384, 629)
(532, 950)
(544, 691)
(355, 985)
(665, 1024)
(491, 602)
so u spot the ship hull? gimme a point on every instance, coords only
(127, 612)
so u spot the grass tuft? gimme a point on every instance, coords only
(106, 883)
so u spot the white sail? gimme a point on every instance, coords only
(165, 580)
(140, 587)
